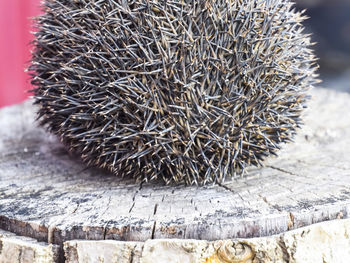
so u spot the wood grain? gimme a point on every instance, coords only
(50, 195)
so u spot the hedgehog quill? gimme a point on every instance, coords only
(186, 91)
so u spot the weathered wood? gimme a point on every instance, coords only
(18, 249)
(327, 242)
(49, 195)
(83, 251)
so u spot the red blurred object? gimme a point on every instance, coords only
(15, 27)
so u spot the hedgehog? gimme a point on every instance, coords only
(183, 91)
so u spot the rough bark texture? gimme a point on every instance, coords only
(49, 195)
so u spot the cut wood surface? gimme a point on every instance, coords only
(50, 195)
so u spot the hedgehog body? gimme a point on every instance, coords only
(191, 91)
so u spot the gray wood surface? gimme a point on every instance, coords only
(48, 194)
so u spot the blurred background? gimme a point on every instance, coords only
(329, 23)
(15, 28)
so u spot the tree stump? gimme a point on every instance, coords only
(50, 196)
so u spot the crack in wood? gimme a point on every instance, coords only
(105, 227)
(282, 170)
(226, 187)
(132, 206)
(105, 230)
(269, 203)
(155, 222)
(232, 191)
(153, 229)
(108, 205)
(75, 209)
(155, 209)
(131, 259)
(50, 234)
(291, 221)
(282, 244)
(134, 197)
